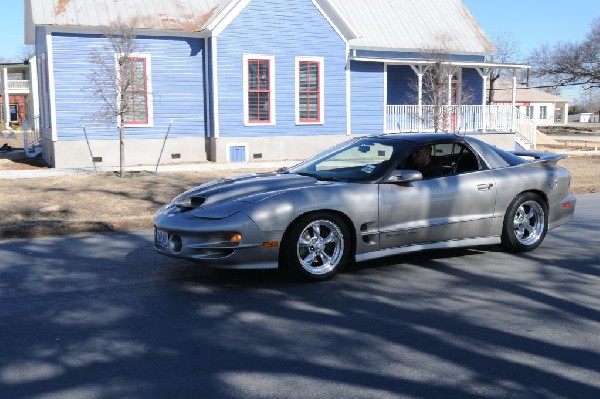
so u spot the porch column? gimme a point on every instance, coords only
(5, 98)
(449, 89)
(484, 78)
(514, 101)
(419, 71)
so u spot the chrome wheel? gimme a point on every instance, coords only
(525, 223)
(529, 223)
(320, 247)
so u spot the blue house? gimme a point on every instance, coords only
(244, 80)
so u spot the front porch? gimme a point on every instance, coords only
(461, 119)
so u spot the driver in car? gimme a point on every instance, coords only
(424, 163)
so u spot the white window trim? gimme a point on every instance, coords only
(321, 62)
(148, 58)
(271, 60)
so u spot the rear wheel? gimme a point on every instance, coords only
(525, 223)
(316, 246)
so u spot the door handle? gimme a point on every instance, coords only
(485, 187)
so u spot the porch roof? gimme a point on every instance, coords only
(422, 61)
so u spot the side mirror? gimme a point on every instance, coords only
(403, 176)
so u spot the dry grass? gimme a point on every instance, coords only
(78, 203)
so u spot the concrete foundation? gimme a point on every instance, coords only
(272, 148)
(76, 154)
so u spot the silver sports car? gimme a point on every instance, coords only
(366, 198)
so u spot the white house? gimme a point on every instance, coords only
(543, 108)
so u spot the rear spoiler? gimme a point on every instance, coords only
(540, 157)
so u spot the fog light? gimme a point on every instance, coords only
(175, 244)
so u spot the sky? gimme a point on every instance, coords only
(531, 23)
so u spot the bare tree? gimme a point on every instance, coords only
(589, 101)
(113, 78)
(437, 89)
(508, 51)
(569, 64)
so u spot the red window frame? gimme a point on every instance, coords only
(308, 91)
(255, 89)
(133, 91)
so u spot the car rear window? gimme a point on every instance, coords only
(509, 158)
(494, 156)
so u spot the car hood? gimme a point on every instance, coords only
(249, 188)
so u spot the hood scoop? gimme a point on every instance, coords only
(191, 203)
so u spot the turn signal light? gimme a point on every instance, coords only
(235, 238)
(270, 244)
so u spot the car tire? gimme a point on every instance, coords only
(525, 223)
(315, 247)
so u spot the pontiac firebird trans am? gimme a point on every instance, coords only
(364, 199)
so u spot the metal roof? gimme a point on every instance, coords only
(414, 25)
(503, 93)
(399, 25)
(176, 15)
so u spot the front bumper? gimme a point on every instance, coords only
(209, 241)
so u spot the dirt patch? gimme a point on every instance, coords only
(79, 203)
(585, 173)
(16, 160)
(575, 129)
(105, 202)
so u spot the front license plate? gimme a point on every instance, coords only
(161, 238)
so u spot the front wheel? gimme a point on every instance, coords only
(525, 223)
(316, 246)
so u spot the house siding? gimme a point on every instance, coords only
(400, 80)
(367, 87)
(177, 84)
(472, 86)
(273, 28)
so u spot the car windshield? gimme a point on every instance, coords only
(364, 159)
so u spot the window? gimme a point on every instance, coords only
(135, 79)
(309, 90)
(543, 112)
(259, 96)
(529, 111)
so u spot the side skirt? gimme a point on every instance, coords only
(467, 242)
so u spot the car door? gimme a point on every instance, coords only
(437, 209)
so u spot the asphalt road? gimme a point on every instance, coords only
(103, 316)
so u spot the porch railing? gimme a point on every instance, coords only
(32, 139)
(460, 118)
(18, 84)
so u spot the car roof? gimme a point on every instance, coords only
(423, 138)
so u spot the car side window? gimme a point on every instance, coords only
(465, 161)
(448, 158)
